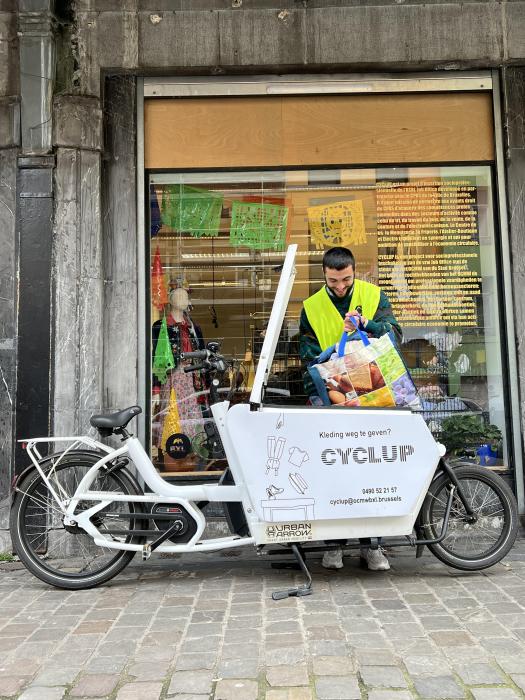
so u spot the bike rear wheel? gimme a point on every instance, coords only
(66, 557)
(469, 544)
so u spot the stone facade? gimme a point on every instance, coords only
(9, 144)
(101, 46)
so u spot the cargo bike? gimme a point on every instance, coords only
(296, 477)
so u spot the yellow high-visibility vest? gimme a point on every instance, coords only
(326, 320)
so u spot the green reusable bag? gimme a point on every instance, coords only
(163, 360)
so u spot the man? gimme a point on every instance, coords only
(324, 314)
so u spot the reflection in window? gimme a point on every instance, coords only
(217, 243)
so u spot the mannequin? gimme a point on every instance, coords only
(184, 336)
(179, 303)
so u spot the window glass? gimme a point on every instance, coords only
(217, 243)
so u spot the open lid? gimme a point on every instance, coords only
(280, 304)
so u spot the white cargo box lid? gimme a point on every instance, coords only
(280, 304)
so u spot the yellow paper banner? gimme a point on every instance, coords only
(341, 224)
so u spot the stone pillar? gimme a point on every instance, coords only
(513, 87)
(9, 145)
(77, 274)
(7, 312)
(36, 26)
(119, 222)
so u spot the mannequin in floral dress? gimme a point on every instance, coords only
(184, 336)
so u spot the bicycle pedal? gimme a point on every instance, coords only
(146, 552)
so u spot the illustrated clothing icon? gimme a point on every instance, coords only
(272, 491)
(298, 482)
(297, 457)
(280, 421)
(275, 449)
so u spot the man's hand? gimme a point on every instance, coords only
(349, 323)
(315, 400)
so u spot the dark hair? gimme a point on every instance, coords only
(338, 258)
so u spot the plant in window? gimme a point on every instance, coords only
(459, 433)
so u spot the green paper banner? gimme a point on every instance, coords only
(258, 226)
(191, 210)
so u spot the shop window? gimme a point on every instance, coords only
(217, 242)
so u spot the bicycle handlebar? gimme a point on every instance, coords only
(196, 355)
(193, 368)
(210, 360)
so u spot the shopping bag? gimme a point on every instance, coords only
(163, 360)
(172, 420)
(363, 371)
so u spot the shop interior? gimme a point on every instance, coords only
(216, 245)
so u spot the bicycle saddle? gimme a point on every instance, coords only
(111, 421)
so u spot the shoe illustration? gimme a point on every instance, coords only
(273, 491)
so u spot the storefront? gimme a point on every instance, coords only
(405, 172)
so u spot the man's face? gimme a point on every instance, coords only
(339, 281)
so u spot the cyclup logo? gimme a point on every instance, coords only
(366, 455)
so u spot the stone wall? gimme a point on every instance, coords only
(231, 36)
(9, 141)
(120, 247)
(77, 266)
(513, 86)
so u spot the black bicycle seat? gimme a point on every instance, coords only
(111, 421)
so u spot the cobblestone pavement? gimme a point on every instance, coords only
(196, 627)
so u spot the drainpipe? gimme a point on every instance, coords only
(35, 203)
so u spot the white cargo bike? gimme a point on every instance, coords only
(297, 476)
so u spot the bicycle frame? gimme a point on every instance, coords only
(402, 452)
(161, 491)
(186, 496)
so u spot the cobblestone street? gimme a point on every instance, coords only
(206, 627)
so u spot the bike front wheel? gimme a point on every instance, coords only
(474, 543)
(66, 556)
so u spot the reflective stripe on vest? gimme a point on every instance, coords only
(326, 320)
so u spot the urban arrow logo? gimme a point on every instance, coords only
(289, 531)
(366, 455)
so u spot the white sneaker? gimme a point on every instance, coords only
(375, 559)
(333, 559)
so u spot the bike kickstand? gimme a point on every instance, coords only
(306, 588)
